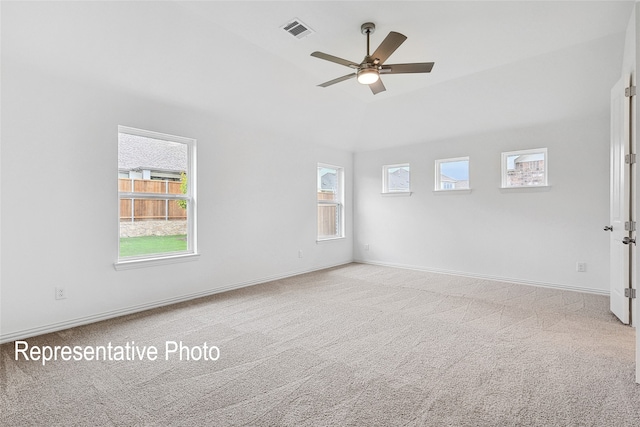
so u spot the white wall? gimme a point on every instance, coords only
(533, 236)
(529, 235)
(256, 202)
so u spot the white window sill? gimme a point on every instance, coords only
(397, 193)
(150, 262)
(329, 239)
(525, 188)
(454, 190)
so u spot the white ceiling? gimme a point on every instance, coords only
(497, 64)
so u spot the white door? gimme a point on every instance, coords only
(619, 203)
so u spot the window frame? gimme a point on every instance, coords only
(191, 252)
(438, 173)
(385, 178)
(503, 167)
(339, 203)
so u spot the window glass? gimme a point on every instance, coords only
(330, 202)
(155, 192)
(396, 178)
(524, 168)
(452, 174)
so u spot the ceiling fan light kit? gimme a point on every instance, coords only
(368, 71)
(368, 76)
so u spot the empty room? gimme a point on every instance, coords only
(319, 213)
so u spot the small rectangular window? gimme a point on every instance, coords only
(524, 168)
(330, 196)
(452, 174)
(396, 178)
(156, 193)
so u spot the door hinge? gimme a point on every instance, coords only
(630, 158)
(630, 91)
(629, 293)
(630, 226)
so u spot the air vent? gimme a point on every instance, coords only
(297, 28)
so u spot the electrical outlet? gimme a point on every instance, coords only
(61, 293)
(300, 253)
(366, 247)
(581, 267)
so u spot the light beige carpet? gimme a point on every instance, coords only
(355, 345)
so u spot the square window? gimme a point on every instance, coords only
(330, 200)
(524, 168)
(452, 174)
(156, 195)
(396, 178)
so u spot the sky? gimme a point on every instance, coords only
(457, 170)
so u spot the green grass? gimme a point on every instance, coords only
(135, 246)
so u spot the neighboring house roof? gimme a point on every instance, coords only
(138, 153)
(328, 181)
(445, 178)
(524, 158)
(399, 178)
(529, 158)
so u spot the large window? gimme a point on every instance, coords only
(156, 192)
(396, 178)
(330, 202)
(452, 174)
(525, 168)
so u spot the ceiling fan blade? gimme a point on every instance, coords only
(335, 59)
(418, 67)
(338, 80)
(377, 87)
(388, 46)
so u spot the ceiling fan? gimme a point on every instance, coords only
(372, 66)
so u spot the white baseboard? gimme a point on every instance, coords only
(59, 326)
(486, 277)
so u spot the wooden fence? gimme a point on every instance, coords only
(150, 209)
(327, 215)
(153, 209)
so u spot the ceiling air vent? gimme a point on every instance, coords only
(297, 28)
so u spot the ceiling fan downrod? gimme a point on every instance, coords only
(367, 72)
(368, 28)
